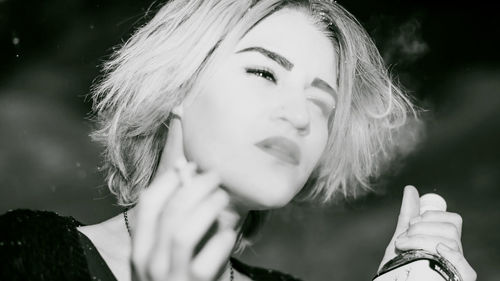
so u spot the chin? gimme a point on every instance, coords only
(258, 195)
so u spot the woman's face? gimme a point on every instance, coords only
(261, 120)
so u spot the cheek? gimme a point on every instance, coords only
(221, 126)
(217, 123)
(317, 142)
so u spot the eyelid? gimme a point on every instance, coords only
(256, 69)
(323, 96)
(325, 107)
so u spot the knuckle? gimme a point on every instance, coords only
(455, 245)
(454, 231)
(450, 230)
(458, 219)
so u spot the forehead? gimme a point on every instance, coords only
(293, 34)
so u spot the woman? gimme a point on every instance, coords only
(213, 113)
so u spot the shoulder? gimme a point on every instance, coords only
(28, 226)
(32, 218)
(258, 273)
(38, 244)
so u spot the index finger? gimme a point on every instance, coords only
(149, 208)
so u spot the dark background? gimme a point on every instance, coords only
(446, 54)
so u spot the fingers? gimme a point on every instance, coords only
(149, 207)
(195, 191)
(443, 229)
(173, 215)
(410, 208)
(430, 229)
(439, 216)
(190, 196)
(191, 193)
(426, 242)
(208, 262)
(458, 260)
(435, 231)
(193, 229)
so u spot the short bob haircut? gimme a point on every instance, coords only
(170, 56)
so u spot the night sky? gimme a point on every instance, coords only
(446, 55)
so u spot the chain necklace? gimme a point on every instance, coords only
(125, 216)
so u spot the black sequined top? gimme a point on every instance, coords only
(40, 245)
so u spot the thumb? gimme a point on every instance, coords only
(410, 208)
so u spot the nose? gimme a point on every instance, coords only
(293, 110)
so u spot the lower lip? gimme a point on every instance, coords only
(281, 155)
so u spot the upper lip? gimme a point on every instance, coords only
(282, 148)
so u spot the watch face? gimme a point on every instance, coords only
(415, 271)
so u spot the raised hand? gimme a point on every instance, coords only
(173, 216)
(438, 232)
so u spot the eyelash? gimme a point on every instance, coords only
(263, 72)
(325, 108)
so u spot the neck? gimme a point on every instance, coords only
(230, 217)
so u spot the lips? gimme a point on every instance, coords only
(281, 148)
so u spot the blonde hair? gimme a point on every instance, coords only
(171, 55)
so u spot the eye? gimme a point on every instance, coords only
(262, 72)
(325, 107)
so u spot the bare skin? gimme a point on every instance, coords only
(180, 205)
(111, 237)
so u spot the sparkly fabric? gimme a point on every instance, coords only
(40, 245)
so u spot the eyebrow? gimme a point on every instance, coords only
(285, 63)
(288, 65)
(322, 85)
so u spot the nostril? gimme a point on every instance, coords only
(296, 114)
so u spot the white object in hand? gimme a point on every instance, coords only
(432, 202)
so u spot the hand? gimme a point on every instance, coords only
(173, 215)
(438, 232)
